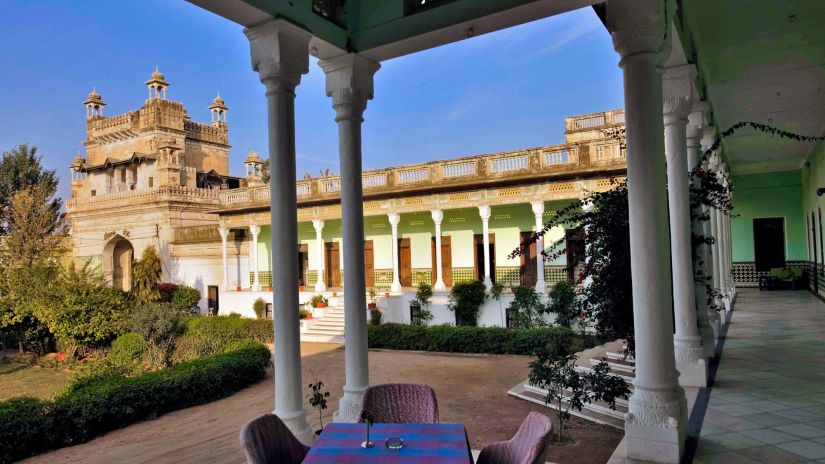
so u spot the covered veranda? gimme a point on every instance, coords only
(691, 70)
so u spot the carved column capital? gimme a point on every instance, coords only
(484, 212)
(279, 52)
(538, 207)
(437, 215)
(254, 230)
(637, 27)
(394, 219)
(318, 224)
(349, 81)
(224, 233)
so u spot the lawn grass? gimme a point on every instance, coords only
(24, 380)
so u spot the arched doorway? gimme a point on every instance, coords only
(118, 255)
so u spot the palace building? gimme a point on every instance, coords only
(154, 177)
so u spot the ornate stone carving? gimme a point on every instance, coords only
(279, 54)
(636, 26)
(656, 408)
(350, 83)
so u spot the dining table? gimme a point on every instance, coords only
(423, 444)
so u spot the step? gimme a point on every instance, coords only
(313, 338)
(592, 414)
(627, 376)
(619, 356)
(597, 406)
(615, 366)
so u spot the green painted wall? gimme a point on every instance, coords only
(775, 194)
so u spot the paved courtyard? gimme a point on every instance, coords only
(471, 389)
(768, 401)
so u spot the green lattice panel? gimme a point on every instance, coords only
(421, 275)
(312, 278)
(553, 274)
(463, 274)
(264, 276)
(383, 277)
(508, 276)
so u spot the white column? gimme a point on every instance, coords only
(320, 285)
(708, 327)
(438, 216)
(224, 235)
(690, 356)
(394, 219)
(349, 83)
(484, 212)
(279, 54)
(256, 283)
(712, 226)
(538, 211)
(723, 259)
(655, 425)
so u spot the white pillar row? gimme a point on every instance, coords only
(224, 236)
(538, 211)
(708, 325)
(320, 284)
(484, 212)
(438, 216)
(349, 81)
(394, 219)
(729, 235)
(712, 230)
(690, 356)
(256, 282)
(279, 55)
(728, 256)
(656, 422)
(723, 258)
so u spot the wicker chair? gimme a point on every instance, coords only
(267, 440)
(528, 446)
(401, 403)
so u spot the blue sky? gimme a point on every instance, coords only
(501, 91)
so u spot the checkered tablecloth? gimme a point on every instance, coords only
(423, 444)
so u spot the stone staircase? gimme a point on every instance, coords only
(598, 411)
(327, 329)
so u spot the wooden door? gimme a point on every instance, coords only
(446, 261)
(769, 243)
(404, 262)
(212, 301)
(333, 264)
(574, 241)
(528, 269)
(478, 256)
(303, 263)
(369, 264)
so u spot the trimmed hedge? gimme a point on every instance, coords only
(204, 336)
(29, 426)
(470, 339)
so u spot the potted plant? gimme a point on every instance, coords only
(300, 285)
(318, 399)
(304, 318)
(259, 306)
(318, 301)
(372, 296)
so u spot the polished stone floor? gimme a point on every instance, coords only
(768, 400)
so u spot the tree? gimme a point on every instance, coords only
(21, 169)
(35, 240)
(158, 324)
(81, 309)
(146, 276)
(554, 370)
(563, 303)
(528, 307)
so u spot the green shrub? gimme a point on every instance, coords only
(203, 336)
(259, 306)
(186, 299)
(466, 299)
(471, 339)
(24, 426)
(528, 307)
(29, 426)
(375, 316)
(159, 324)
(563, 303)
(128, 349)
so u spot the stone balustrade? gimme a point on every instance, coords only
(547, 161)
(173, 193)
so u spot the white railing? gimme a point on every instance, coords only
(374, 180)
(408, 176)
(466, 168)
(556, 157)
(589, 122)
(303, 189)
(132, 195)
(618, 118)
(330, 185)
(510, 163)
(608, 152)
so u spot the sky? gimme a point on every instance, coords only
(501, 91)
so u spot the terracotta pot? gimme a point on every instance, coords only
(238, 288)
(387, 295)
(309, 315)
(371, 306)
(321, 304)
(269, 289)
(334, 293)
(300, 288)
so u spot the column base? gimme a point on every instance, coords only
(256, 288)
(395, 287)
(320, 287)
(297, 423)
(488, 283)
(691, 363)
(439, 286)
(656, 425)
(349, 406)
(541, 287)
(708, 339)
